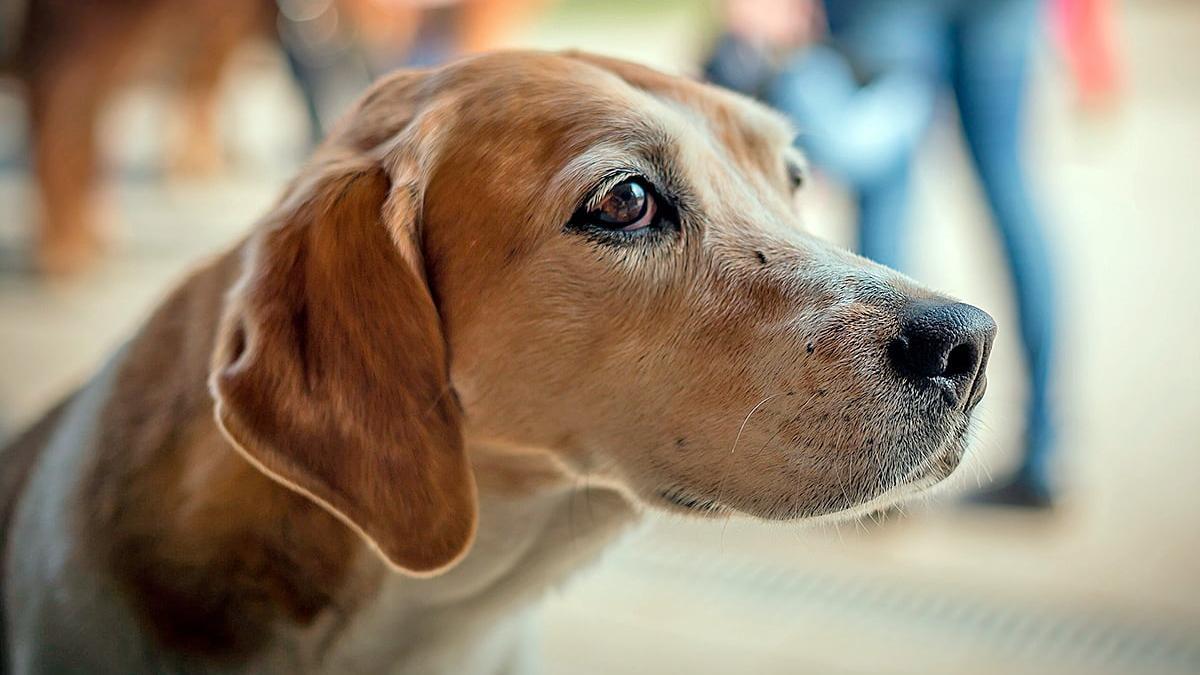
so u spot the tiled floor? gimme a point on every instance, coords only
(1110, 583)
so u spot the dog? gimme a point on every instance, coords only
(352, 442)
(72, 57)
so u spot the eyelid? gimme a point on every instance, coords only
(609, 182)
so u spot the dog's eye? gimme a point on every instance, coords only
(795, 174)
(627, 206)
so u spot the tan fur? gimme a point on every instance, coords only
(417, 367)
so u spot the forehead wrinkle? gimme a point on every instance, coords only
(774, 129)
(739, 212)
(704, 155)
(747, 133)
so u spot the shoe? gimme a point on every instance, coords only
(1018, 492)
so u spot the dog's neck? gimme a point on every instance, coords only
(179, 519)
(536, 527)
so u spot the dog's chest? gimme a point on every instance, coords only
(473, 618)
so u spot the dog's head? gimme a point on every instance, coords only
(588, 257)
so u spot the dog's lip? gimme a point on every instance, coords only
(689, 502)
(977, 392)
(952, 450)
(919, 478)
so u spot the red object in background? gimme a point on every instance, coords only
(1085, 30)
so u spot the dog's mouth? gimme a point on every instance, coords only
(937, 466)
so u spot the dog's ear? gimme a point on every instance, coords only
(331, 372)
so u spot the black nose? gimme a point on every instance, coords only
(946, 344)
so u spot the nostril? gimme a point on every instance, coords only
(961, 360)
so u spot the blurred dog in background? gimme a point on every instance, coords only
(73, 56)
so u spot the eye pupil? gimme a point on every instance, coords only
(624, 204)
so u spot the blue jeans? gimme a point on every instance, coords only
(907, 52)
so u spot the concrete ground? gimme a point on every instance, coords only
(1110, 582)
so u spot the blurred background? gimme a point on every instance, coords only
(1037, 159)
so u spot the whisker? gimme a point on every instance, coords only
(738, 437)
(571, 515)
(587, 491)
(775, 435)
(750, 414)
(728, 517)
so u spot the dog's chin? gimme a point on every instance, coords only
(939, 464)
(680, 500)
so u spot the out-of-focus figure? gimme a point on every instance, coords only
(863, 100)
(72, 57)
(1085, 29)
(336, 47)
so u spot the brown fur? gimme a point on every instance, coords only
(310, 384)
(228, 553)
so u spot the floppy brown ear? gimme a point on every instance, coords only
(332, 377)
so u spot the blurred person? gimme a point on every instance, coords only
(431, 32)
(336, 47)
(864, 100)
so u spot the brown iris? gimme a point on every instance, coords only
(628, 205)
